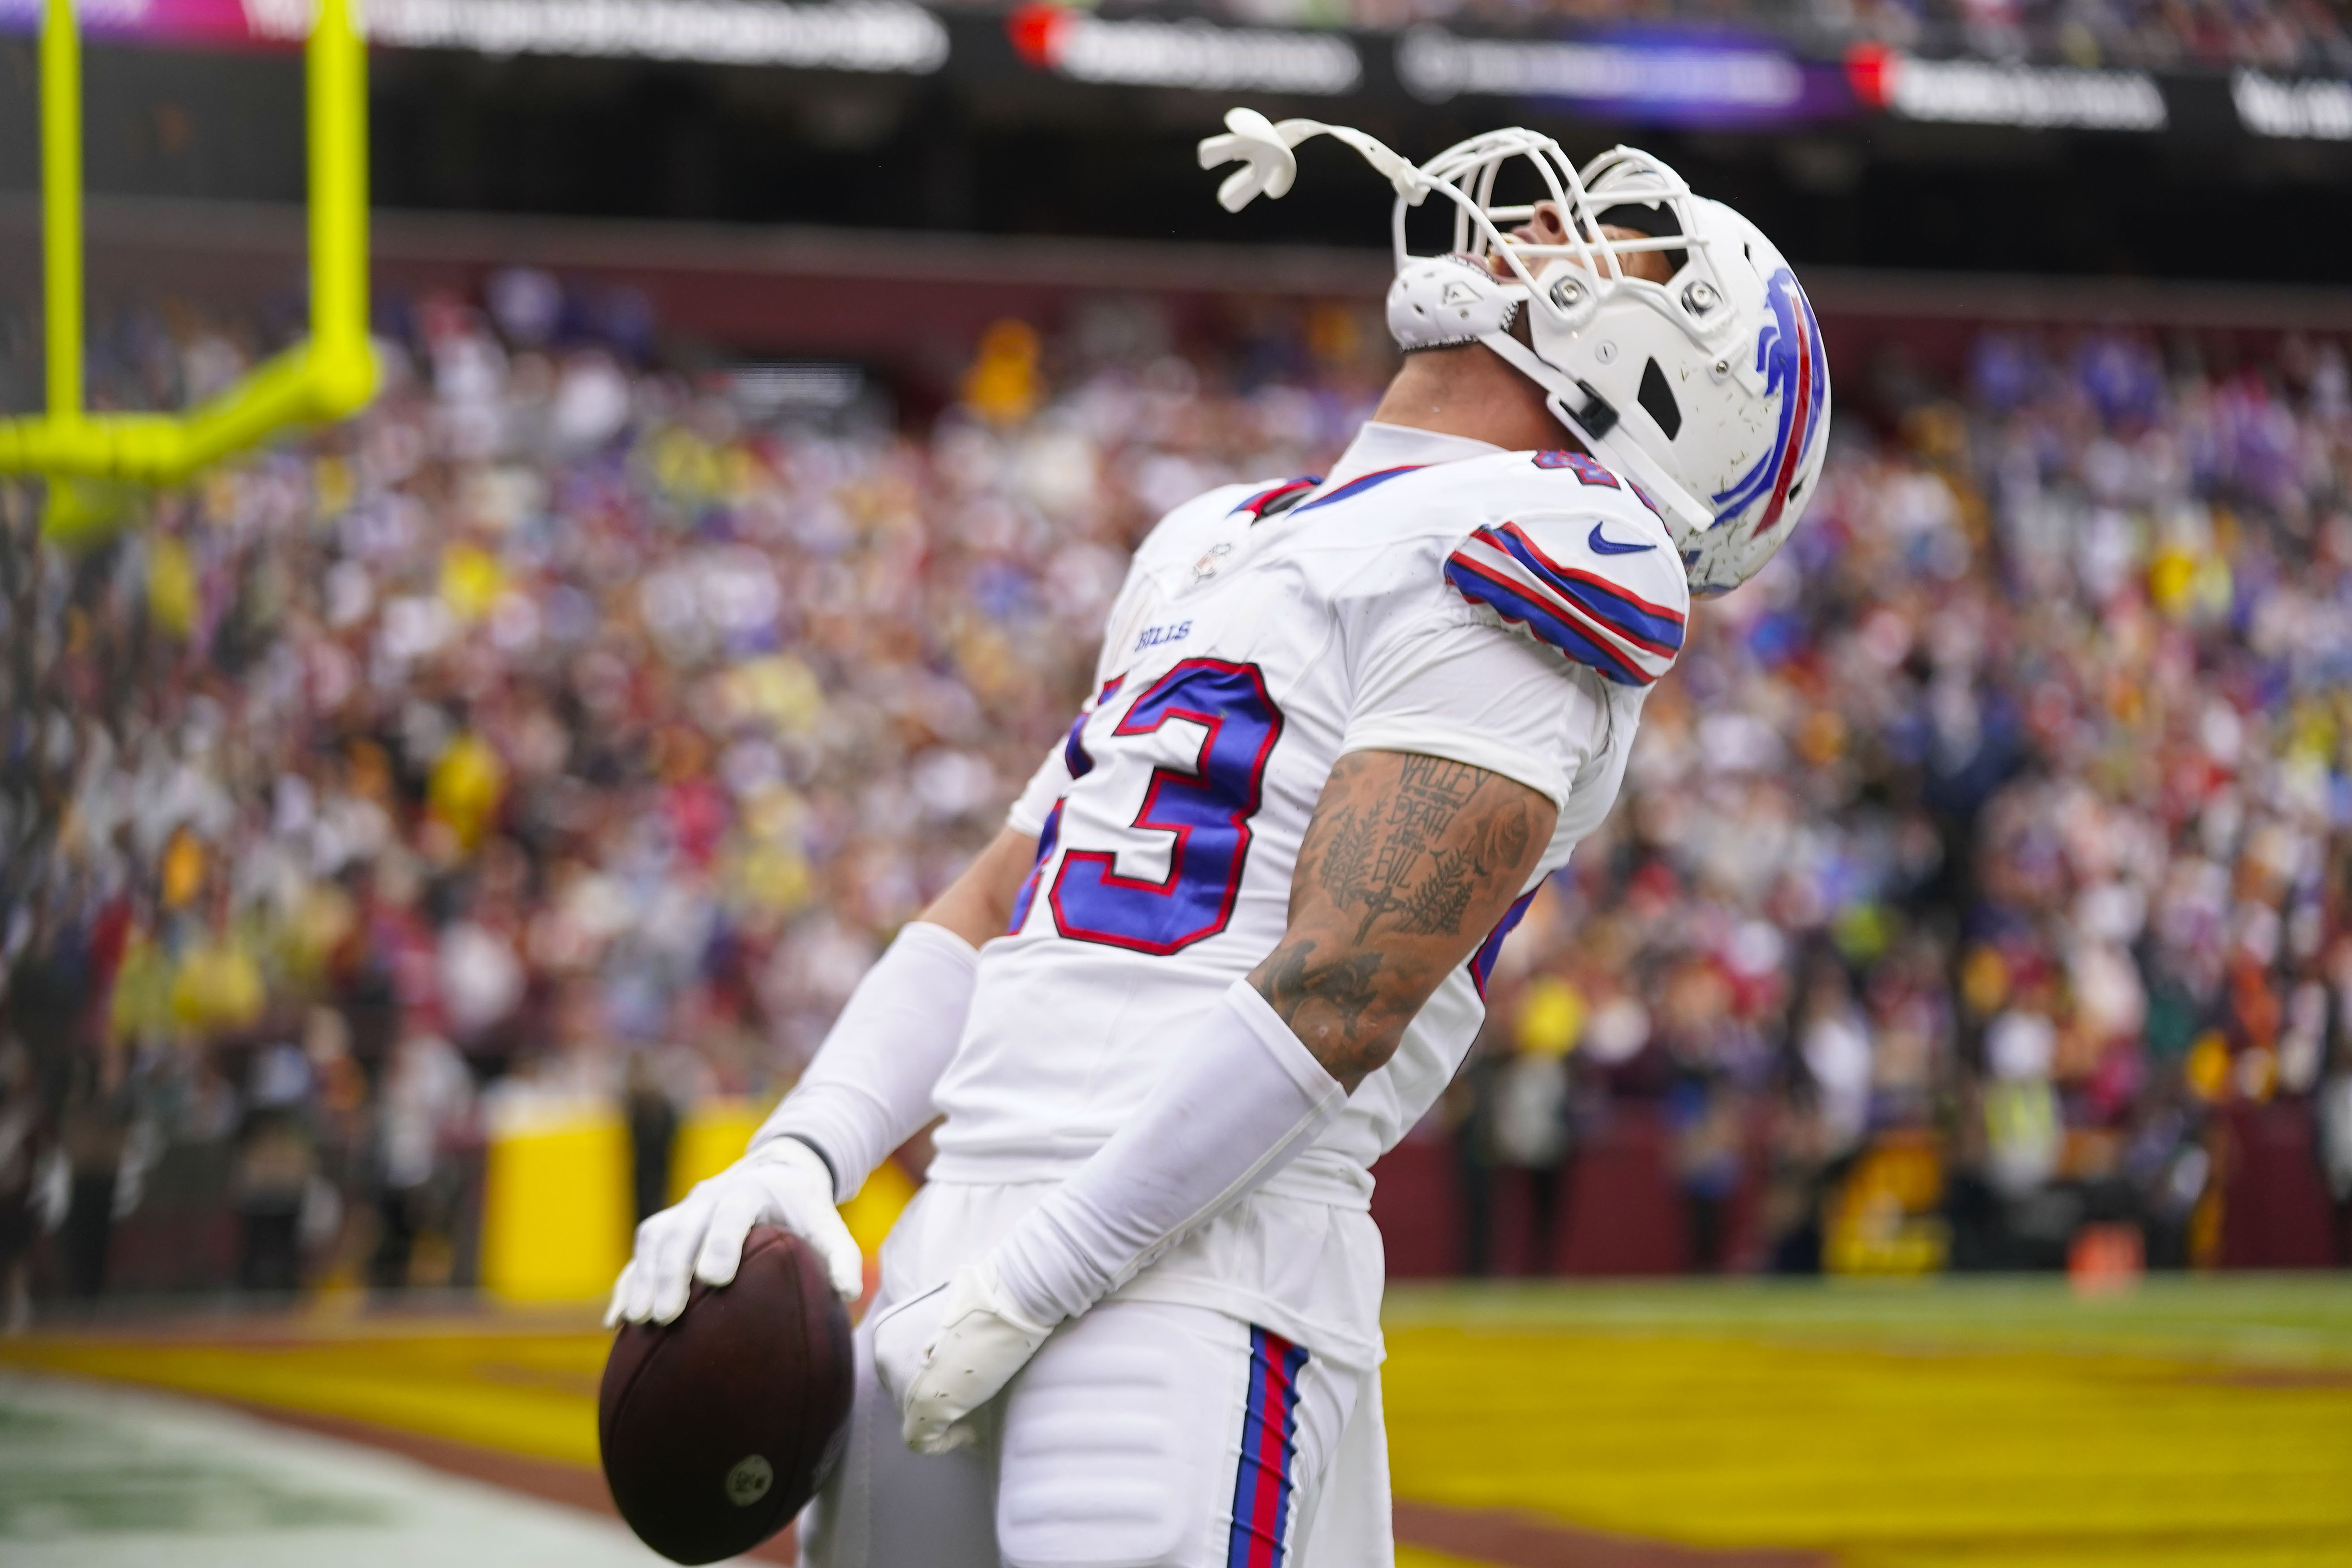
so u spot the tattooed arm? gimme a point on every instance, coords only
(1408, 863)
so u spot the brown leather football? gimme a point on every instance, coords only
(716, 1427)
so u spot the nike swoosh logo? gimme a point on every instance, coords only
(1608, 547)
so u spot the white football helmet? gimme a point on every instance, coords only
(1710, 391)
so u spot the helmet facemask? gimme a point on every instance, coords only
(1658, 379)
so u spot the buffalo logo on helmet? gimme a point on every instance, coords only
(1789, 354)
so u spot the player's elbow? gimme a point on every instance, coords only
(1348, 1009)
(1349, 1052)
(1348, 1013)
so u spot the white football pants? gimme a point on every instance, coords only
(1142, 1435)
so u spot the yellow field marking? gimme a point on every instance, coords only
(1886, 1458)
(1416, 1557)
(522, 1392)
(1900, 1439)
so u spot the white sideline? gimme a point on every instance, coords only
(79, 1461)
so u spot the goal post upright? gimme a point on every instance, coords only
(329, 375)
(336, 113)
(61, 253)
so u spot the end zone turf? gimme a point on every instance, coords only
(2189, 1424)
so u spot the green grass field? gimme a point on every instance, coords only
(2188, 1422)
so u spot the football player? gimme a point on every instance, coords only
(1234, 940)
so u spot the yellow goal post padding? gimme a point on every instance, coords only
(329, 376)
(556, 1188)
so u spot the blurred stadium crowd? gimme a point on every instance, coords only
(568, 725)
(2314, 36)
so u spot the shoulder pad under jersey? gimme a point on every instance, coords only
(1246, 501)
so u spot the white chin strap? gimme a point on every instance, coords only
(1590, 418)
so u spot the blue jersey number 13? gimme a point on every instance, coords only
(1207, 806)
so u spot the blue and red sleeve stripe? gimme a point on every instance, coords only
(1592, 620)
(1626, 613)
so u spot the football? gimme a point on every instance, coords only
(716, 1428)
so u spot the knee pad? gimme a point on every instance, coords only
(1101, 1448)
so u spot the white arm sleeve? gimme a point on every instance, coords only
(869, 1088)
(1243, 1098)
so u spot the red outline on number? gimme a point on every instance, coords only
(1159, 777)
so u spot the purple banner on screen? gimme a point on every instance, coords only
(1652, 74)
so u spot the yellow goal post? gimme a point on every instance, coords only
(86, 456)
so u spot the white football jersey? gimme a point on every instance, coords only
(1435, 596)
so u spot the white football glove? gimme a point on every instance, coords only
(948, 1352)
(781, 1183)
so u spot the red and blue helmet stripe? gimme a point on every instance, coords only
(1795, 367)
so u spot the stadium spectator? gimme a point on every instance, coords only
(32, 1182)
(560, 715)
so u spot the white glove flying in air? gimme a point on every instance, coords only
(781, 1183)
(949, 1351)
